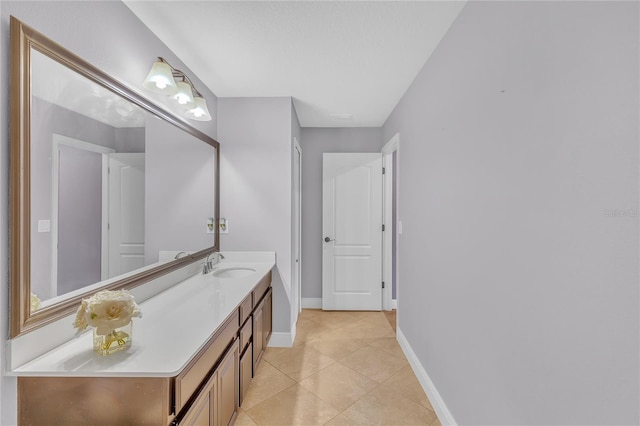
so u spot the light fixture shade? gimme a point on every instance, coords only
(184, 95)
(200, 112)
(160, 79)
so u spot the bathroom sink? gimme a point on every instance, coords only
(237, 272)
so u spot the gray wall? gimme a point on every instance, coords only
(109, 36)
(316, 141)
(179, 190)
(256, 194)
(518, 194)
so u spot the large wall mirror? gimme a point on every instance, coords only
(106, 187)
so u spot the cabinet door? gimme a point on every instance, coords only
(246, 371)
(267, 319)
(203, 410)
(228, 385)
(258, 335)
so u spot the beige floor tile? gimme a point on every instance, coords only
(384, 406)
(271, 353)
(391, 317)
(267, 382)
(243, 419)
(307, 330)
(406, 382)
(336, 344)
(376, 318)
(389, 344)
(335, 319)
(436, 422)
(341, 420)
(301, 362)
(392, 333)
(338, 385)
(309, 313)
(293, 406)
(365, 330)
(374, 363)
(370, 316)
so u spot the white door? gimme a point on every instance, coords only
(126, 213)
(297, 206)
(352, 231)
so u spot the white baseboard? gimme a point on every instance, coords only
(312, 302)
(444, 415)
(281, 340)
(316, 303)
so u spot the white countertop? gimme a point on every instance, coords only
(175, 326)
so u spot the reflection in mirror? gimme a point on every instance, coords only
(114, 189)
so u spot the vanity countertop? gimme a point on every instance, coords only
(175, 325)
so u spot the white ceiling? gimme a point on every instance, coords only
(332, 57)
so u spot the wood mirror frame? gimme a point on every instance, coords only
(23, 39)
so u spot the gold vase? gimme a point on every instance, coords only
(114, 341)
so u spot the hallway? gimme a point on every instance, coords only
(345, 368)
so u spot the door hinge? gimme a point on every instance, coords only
(382, 284)
(382, 228)
(384, 170)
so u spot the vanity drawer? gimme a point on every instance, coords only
(245, 335)
(198, 369)
(261, 288)
(245, 310)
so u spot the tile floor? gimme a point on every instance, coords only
(345, 368)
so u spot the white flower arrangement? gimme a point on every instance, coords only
(106, 310)
(35, 302)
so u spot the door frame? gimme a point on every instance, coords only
(296, 256)
(58, 140)
(387, 217)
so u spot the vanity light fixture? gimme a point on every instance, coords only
(167, 80)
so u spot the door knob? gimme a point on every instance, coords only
(327, 239)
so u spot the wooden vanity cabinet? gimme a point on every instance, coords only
(267, 321)
(246, 371)
(207, 391)
(246, 350)
(258, 332)
(217, 402)
(205, 407)
(262, 327)
(228, 387)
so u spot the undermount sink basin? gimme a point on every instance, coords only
(233, 272)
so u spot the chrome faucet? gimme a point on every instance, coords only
(209, 263)
(183, 253)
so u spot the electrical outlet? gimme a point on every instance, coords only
(224, 225)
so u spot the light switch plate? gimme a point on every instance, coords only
(44, 226)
